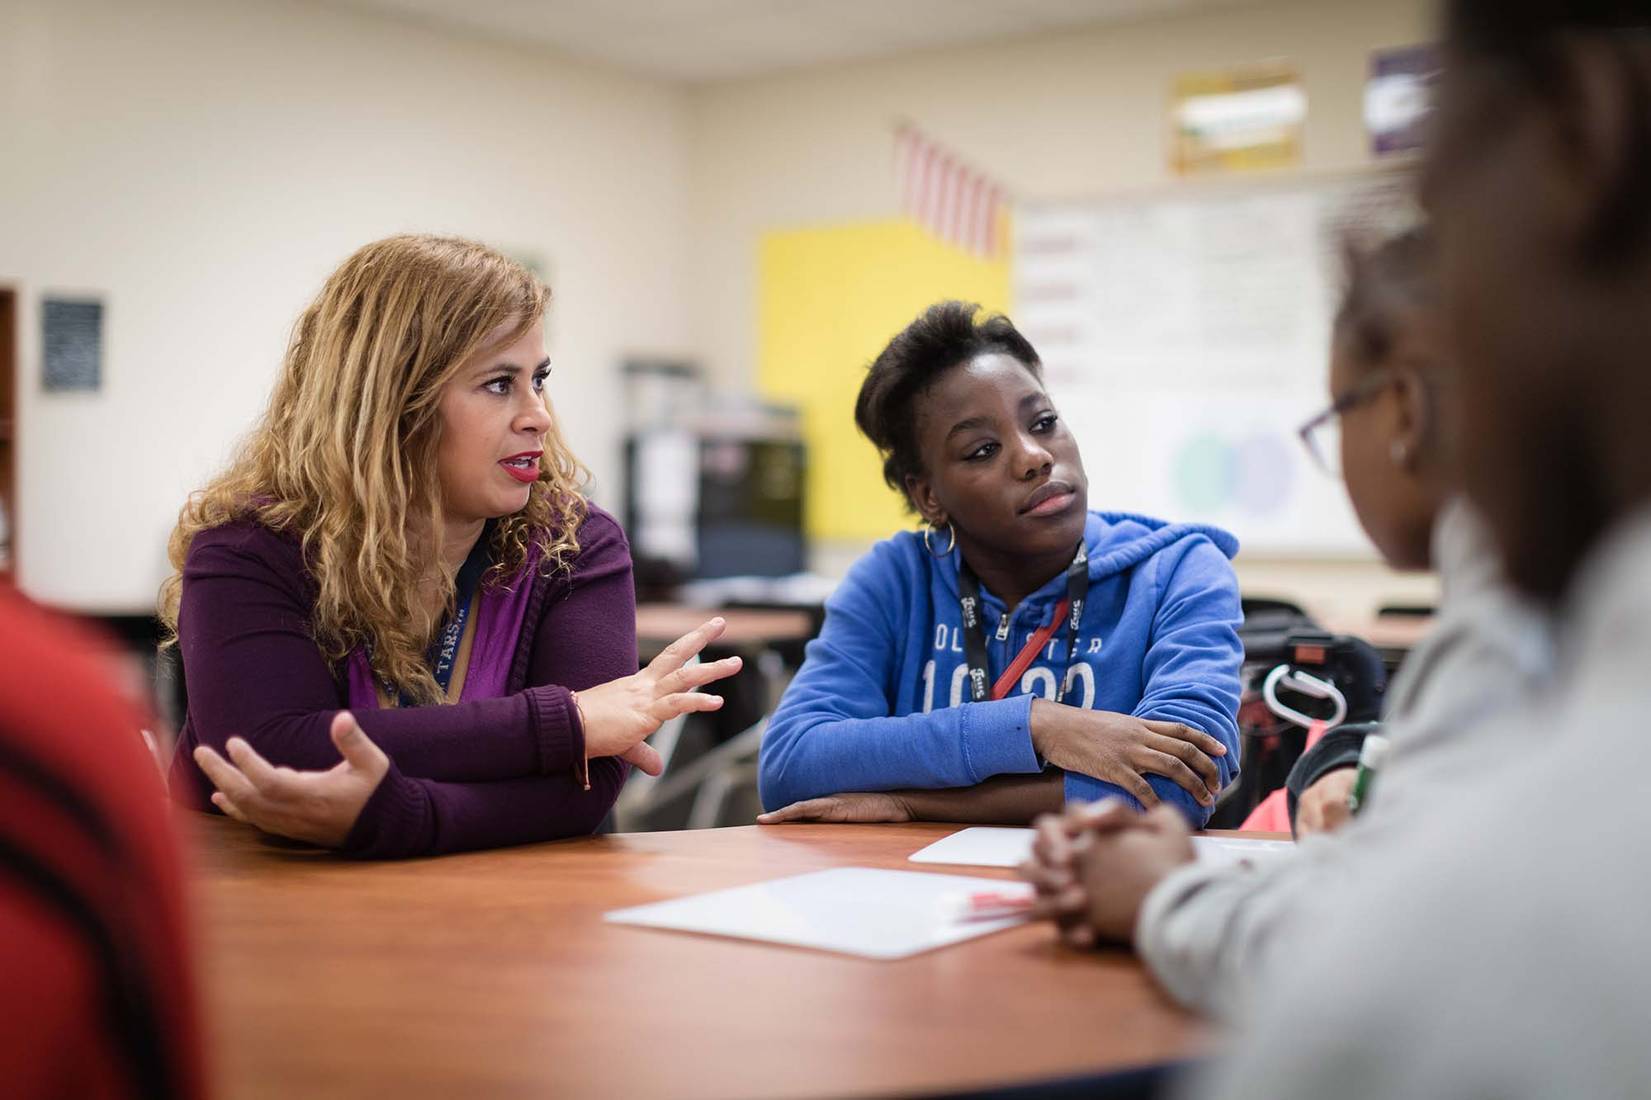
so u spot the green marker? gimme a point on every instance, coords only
(1371, 756)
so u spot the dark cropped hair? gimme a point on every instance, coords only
(946, 335)
(1381, 283)
(1524, 39)
(1508, 28)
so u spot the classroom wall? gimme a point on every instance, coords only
(1068, 115)
(202, 166)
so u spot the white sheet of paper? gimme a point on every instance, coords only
(1239, 849)
(979, 846)
(861, 911)
(989, 846)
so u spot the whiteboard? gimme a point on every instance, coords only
(1185, 338)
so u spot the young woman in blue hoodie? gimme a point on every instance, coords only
(1021, 650)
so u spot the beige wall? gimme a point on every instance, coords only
(1076, 114)
(203, 165)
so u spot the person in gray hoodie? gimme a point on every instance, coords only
(1501, 951)
(1207, 931)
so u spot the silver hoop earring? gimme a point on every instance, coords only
(951, 543)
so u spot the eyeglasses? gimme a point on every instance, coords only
(1322, 434)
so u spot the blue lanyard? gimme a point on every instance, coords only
(444, 651)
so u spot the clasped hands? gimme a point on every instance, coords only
(1094, 865)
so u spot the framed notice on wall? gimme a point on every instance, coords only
(72, 344)
(1398, 96)
(1237, 121)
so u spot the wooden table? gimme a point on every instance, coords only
(492, 974)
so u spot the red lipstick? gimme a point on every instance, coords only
(523, 467)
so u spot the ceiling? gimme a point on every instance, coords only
(705, 40)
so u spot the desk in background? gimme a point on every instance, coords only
(493, 974)
(659, 624)
(710, 769)
(1394, 636)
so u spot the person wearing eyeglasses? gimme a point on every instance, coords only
(1500, 951)
(1206, 932)
(1382, 436)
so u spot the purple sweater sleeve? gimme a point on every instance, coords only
(475, 774)
(587, 636)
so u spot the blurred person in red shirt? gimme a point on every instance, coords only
(97, 993)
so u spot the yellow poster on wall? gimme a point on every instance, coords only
(829, 300)
(1238, 121)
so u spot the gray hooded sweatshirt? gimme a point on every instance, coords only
(1208, 932)
(1497, 946)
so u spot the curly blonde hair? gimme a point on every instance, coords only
(345, 455)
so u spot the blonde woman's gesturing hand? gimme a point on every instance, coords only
(619, 714)
(319, 807)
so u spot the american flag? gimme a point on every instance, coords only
(955, 202)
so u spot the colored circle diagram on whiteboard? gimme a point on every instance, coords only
(1253, 475)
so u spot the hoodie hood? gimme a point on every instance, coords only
(1116, 541)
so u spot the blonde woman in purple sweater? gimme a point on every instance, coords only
(404, 630)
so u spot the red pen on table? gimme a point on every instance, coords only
(992, 905)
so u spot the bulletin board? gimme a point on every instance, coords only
(829, 300)
(1185, 337)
